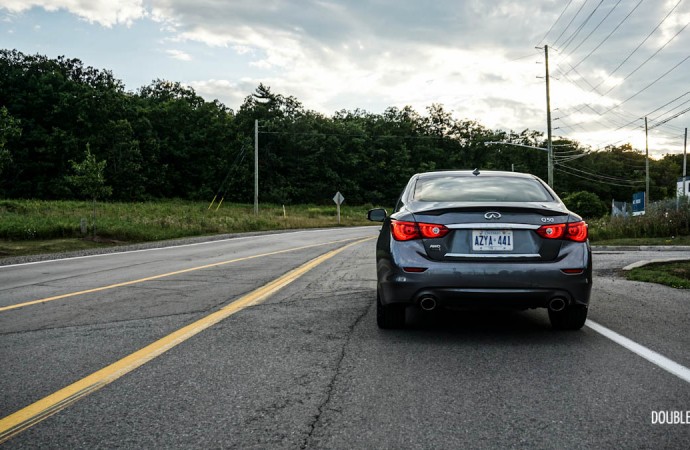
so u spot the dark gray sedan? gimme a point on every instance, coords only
(471, 239)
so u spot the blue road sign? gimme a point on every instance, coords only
(638, 204)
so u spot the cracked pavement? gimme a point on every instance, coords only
(309, 369)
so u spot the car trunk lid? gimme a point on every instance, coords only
(500, 231)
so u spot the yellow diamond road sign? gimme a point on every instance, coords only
(338, 198)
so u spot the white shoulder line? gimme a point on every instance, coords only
(655, 358)
(239, 238)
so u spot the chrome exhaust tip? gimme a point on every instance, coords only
(557, 304)
(427, 303)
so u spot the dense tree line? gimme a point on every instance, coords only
(165, 141)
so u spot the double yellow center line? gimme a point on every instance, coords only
(47, 406)
(164, 275)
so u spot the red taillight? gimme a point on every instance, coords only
(577, 232)
(431, 230)
(414, 269)
(551, 231)
(573, 231)
(405, 231)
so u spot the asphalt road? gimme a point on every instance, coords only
(308, 368)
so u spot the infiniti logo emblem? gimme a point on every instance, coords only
(492, 215)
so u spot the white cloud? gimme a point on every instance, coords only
(674, 23)
(180, 55)
(242, 49)
(333, 54)
(225, 91)
(104, 12)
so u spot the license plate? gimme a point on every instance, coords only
(492, 240)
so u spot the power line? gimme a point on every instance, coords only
(599, 178)
(372, 136)
(579, 29)
(563, 159)
(647, 87)
(613, 113)
(666, 104)
(669, 118)
(640, 44)
(587, 105)
(389, 136)
(609, 121)
(593, 180)
(554, 24)
(610, 34)
(524, 57)
(592, 88)
(648, 59)
(652, 112)
(572, 127)
(567, 152)
(569, 23)
(634, 95)
(595, 28)
(653, 119)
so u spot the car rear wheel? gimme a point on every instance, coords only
(571, 318)
(389, 316)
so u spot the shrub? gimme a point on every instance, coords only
(661, 219)
(586, 204)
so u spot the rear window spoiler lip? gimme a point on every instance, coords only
(492, 226)
(437, 209)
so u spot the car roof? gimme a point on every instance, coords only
(468, 173)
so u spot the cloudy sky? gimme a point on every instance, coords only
(612, 62)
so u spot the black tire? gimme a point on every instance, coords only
(571, 318)
(389, 316)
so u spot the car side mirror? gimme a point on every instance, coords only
(377, 215)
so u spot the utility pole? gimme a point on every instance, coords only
(256, 167)
(549, 145)
(685, 161)
(683, 189)
(646, 151)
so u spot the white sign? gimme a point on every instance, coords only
(338, 199)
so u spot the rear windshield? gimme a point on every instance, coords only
(480, 189)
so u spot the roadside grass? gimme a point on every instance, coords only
(22, 248)
(662, 223)
(675, 240)
(674, 274)
(38, 226)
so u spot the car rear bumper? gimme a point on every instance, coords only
(479, 284)
(495, 298)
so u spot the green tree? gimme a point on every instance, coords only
(124, 168)
(586, 204)
(62, 105)
(9, 128)
(189, 138)
(166, 141)
(89, 180)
